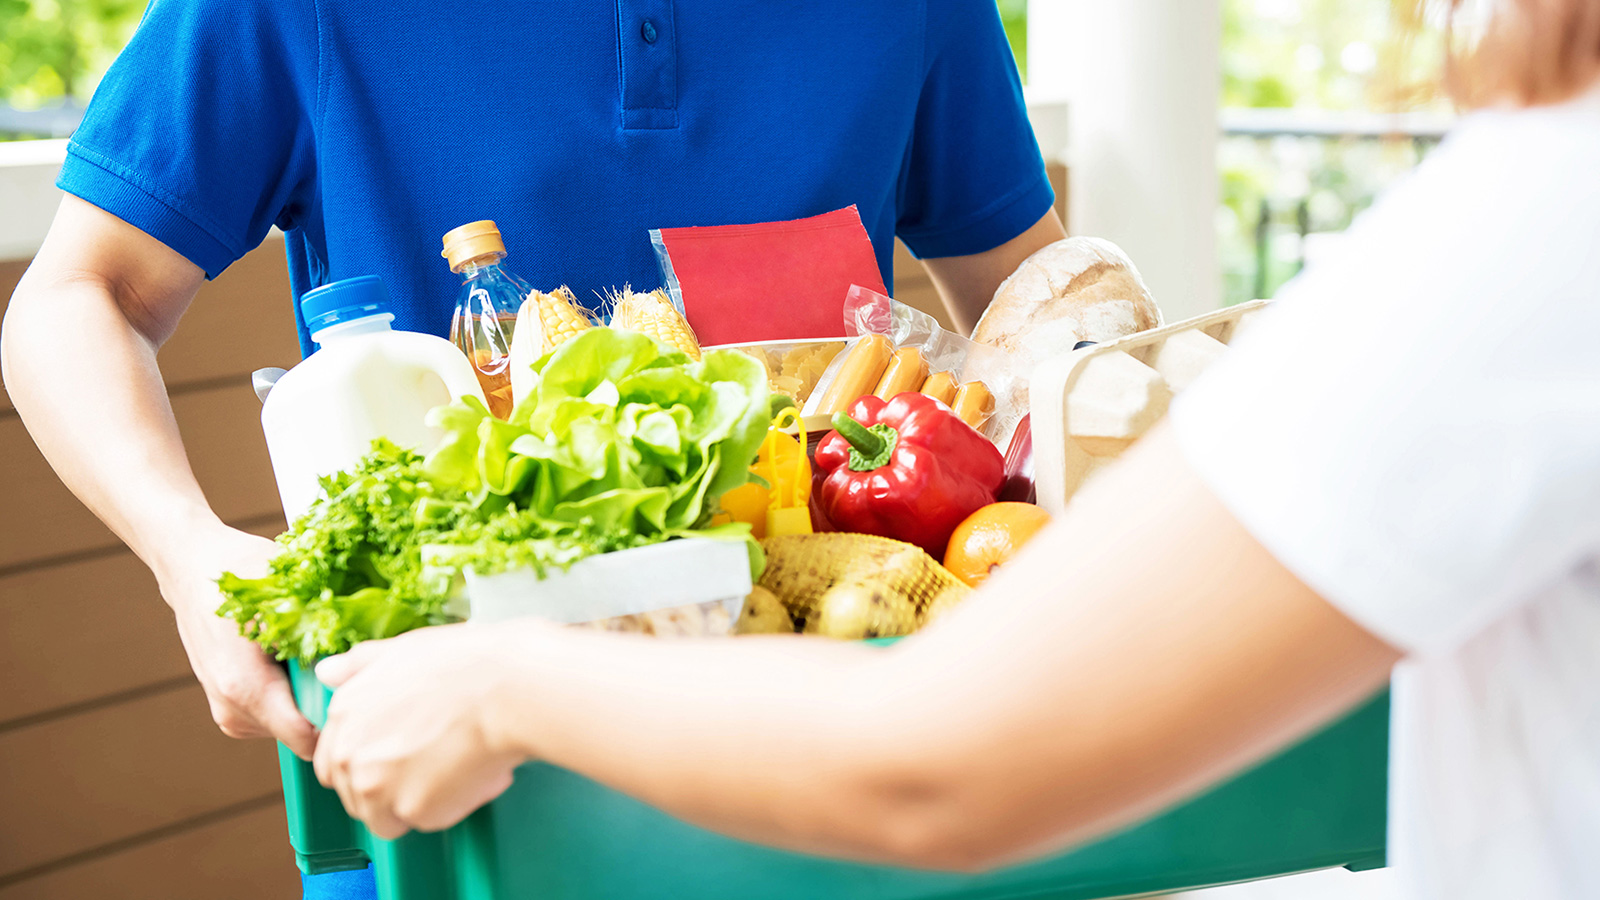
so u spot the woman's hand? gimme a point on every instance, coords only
(410, 741)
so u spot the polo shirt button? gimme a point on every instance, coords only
(648, 31)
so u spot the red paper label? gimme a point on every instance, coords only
(773, 281)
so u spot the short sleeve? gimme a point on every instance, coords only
(201, 132)
(1414, 429)
(973, 177)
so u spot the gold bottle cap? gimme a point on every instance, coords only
(472, 241)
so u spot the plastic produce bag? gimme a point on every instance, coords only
(867, 311)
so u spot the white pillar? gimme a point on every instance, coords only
(1142, 79)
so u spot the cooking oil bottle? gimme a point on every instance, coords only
(486, 307)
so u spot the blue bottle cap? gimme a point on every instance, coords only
(344, 301)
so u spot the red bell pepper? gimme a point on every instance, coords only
(907, 469)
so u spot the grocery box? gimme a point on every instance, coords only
(555, 835)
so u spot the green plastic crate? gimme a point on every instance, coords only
(556, 835)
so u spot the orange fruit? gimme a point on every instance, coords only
(989, 537)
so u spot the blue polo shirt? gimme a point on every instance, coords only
(366, 130)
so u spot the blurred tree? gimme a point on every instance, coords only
(1014, 16)
(1315, 57)
(55, 49)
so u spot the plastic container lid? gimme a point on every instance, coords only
(344, 301)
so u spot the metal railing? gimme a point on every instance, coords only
(1292, 214)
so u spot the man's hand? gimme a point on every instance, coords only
(247, 690)
(411, 741)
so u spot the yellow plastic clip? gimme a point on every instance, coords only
(789, 514)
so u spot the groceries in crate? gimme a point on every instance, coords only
(366, 381)
(620, 443)
(990, 537)
(849, 586)
(908, 469)
(560, 453)
(486, 307)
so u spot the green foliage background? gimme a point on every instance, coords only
(1289, 54)
(50, 49)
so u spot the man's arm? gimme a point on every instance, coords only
(968, 283)
(1142, 648)
(78, 354)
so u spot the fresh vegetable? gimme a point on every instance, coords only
(618, 433)
(655, 315)
(763, 613)
(545, 321)
(990, 537)
(849, 586)
(619, 443)
(908, 469)
(350, 568)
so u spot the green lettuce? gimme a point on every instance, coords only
(621, 443)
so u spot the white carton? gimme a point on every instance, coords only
(688, 572)
(1091, 404)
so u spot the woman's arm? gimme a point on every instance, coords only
(78, 351)
(1142, 648)
(968, 283)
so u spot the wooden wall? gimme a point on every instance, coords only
(113, 780)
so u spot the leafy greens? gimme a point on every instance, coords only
(620, 443)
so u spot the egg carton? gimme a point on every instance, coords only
(1090, 405)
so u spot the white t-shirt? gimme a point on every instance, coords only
(1414, 431)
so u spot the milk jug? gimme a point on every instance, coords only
(365, 381)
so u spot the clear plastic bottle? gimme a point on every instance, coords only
(486, 307)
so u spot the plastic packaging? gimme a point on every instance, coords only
(791, 273)
(793, 367)
(485, 316)
(951, 360)
(690, 587)
(367, 381)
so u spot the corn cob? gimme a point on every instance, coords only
(653, 314)
(560, 317)
(545, 322)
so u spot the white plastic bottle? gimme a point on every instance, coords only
(366, 381)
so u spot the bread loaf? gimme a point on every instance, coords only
(1077, 289)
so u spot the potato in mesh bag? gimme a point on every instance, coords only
(849, 586)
